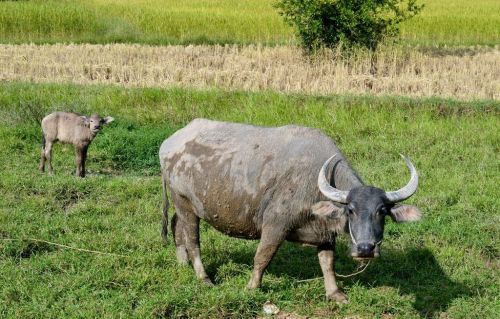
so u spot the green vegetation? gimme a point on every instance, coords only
(350, 23)
(457, 22)
(446, 266)
(152, 22)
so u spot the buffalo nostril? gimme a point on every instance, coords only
(366, 249)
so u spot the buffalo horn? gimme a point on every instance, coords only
(326, 189)
(408, 190)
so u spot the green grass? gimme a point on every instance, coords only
(455, 23)
(445, 266)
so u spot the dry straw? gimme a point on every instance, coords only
(472, 74)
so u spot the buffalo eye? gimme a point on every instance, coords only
(350, 208)
(382, 211)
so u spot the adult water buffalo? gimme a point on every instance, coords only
(258, 182)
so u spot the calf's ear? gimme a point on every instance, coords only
(405, 213)
(85, 120)
(107, 120)
(326, 209)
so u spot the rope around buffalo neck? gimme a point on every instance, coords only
(354, 240)
(352, 237)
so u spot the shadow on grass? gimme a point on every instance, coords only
(413, 272)
(416, 272)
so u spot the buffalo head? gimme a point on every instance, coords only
(365, 208)
(95, 123)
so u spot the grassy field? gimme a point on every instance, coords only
(442, 22)
(446, 266)
(283, 68)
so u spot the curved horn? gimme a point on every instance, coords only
(410, 188)
(326, 189)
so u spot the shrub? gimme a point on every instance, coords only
(352, 23)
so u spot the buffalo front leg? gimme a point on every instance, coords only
(269, 243)
(80, 154)
(326, 261)
(84, 159)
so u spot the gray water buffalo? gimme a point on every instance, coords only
(273, 184)
(71, 128)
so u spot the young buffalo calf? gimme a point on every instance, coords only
(73, 128)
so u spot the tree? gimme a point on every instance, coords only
(352, 23)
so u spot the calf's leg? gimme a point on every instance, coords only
(42, 155)
(326, 260)
(48, 155)
(80, 156)
(42, 161)
(84, 159)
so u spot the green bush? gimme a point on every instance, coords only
(353, 23)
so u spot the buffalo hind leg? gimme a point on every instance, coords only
(270, 241)
(42, 161)
(48, 156)
(326, 260)
(42, 155)
(180, 243)
(187, 232)
(191, 232)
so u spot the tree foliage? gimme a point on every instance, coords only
(353, 23)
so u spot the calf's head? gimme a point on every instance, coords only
(366, 208)
(95, 123)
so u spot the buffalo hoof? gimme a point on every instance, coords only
(337, 296)
(182, 255)
(253, 285)
(207, 282)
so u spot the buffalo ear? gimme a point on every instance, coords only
(85, 120)
(107, 120)
(326, 209)
(405, 213)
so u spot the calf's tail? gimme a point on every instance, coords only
(43, 141)
(166, 205)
